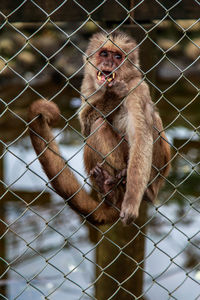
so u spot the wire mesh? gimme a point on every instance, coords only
(46, 250)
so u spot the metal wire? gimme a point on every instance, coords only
(45, 249)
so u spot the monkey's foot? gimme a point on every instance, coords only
(104, 180)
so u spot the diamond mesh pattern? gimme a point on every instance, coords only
(46, 250)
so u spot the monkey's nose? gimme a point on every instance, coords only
(108, 64)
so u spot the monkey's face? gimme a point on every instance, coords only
(110, 59)
(107, 63)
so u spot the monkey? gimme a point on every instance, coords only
(126, 152)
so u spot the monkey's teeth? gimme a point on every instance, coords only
(102, 77)
(99, 76)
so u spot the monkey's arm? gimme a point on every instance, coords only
(42, 115)
(140, 137)
(160, 160)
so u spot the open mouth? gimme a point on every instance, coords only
(106, 76)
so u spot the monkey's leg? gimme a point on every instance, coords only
(105, 145)
(109, 155)
(42, 114)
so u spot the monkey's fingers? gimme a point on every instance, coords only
(122, 174)
(119, 87)
(129, 211)
(96, 172)
(99, 176)
(110, 181)
(127, 218)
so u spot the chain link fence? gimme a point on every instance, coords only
(46, 250)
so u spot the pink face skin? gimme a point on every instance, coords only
(107, 62)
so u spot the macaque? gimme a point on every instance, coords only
(126, 152)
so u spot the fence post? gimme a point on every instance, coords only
(120, 254)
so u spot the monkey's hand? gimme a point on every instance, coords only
(119, 88)
(129, 210)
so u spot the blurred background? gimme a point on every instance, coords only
(47, 251)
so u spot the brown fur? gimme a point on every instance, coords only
(118, 118)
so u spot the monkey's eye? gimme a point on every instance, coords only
(103, 53)
(118, 56)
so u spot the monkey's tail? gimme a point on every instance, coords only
(42, 115)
